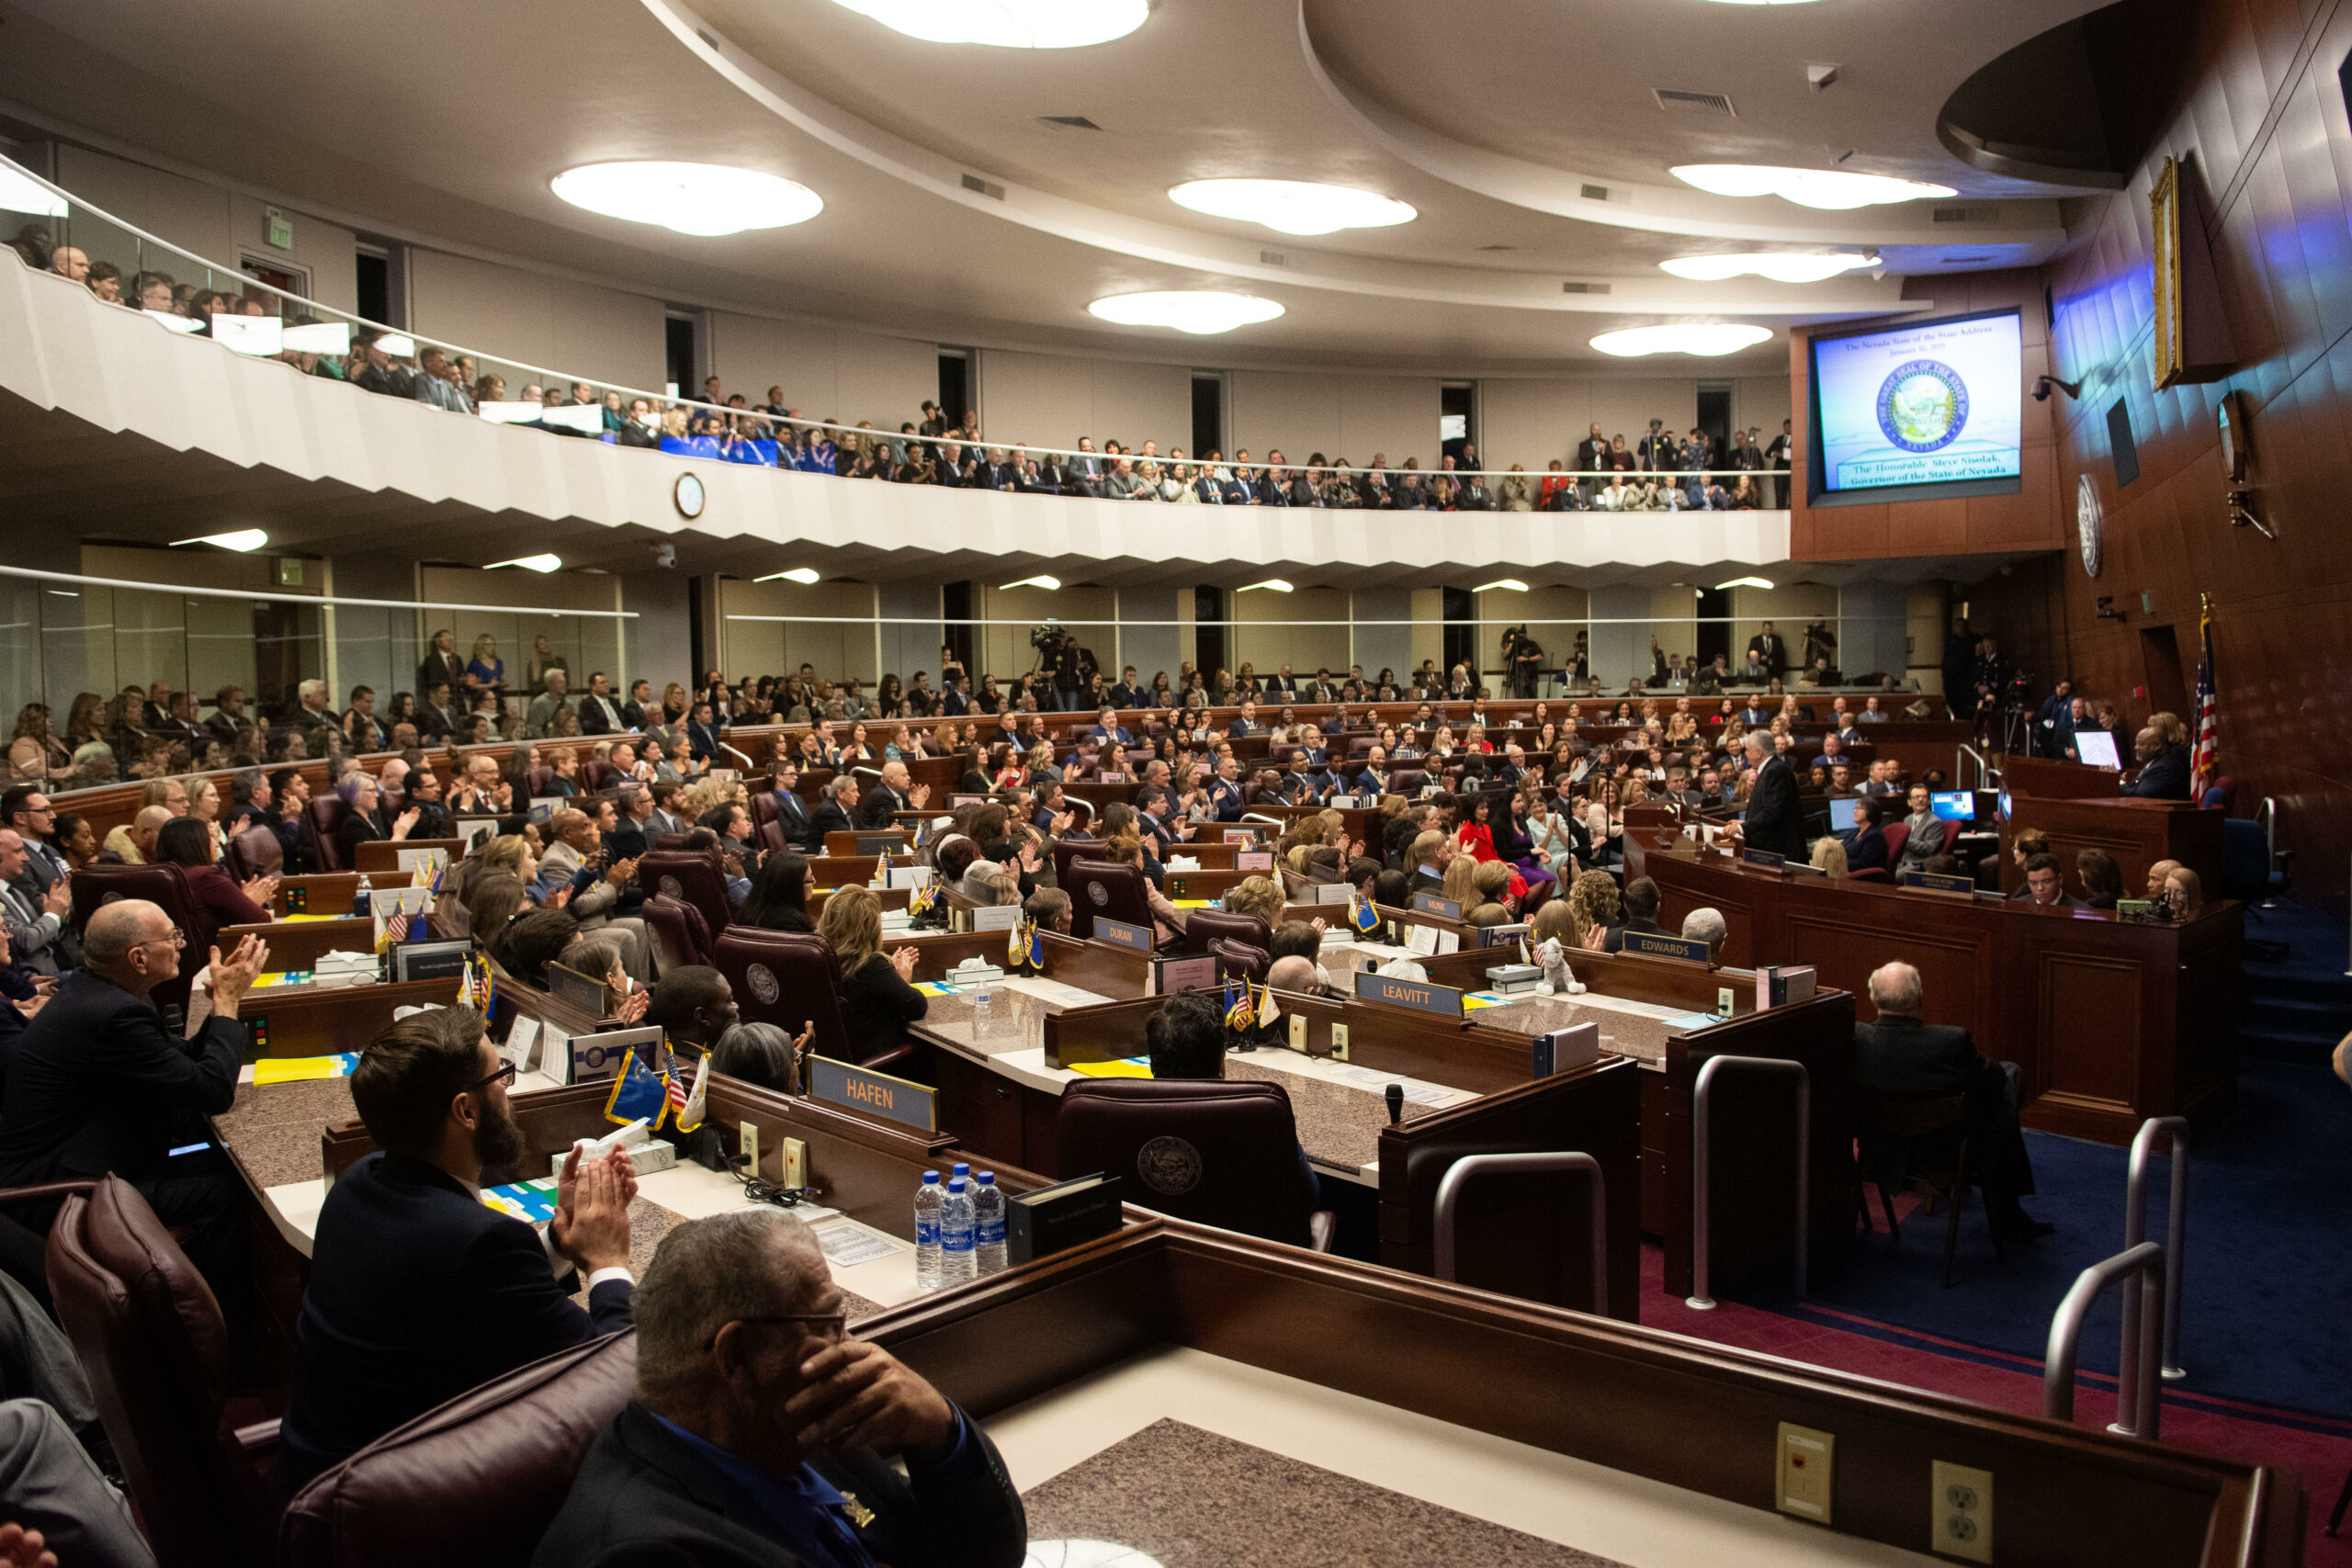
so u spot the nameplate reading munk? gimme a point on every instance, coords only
(1936, 882)
(1118, 933)
(1418, 995)
(1431, 904)
(1649, 944)
(1764, 860)
(878, 1094)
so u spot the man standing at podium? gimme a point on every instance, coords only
(1774, 820)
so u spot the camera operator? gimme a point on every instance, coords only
(1522, 660)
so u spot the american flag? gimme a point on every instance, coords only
(2204, 757)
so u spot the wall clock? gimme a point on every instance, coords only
(688, 495)
(2088, 519)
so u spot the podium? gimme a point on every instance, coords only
(2079, 808)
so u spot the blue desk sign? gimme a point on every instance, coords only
(1764, 860)
(1431, 904)
(1649, 944)
(1419, 995)
(877, 1094)
(1118, 933)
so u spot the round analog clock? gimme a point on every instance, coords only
(2087, 520)
(687, 495)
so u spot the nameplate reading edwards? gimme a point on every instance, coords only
(1118, 933)
(1764, 859)
(1431, 904)
(1418, 995)
(877, 1094)
(1649, 944)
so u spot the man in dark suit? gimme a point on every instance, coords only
(419, 1290)
(1246, 724)
(599, 712)
(97, 1084)
(1641, 915)
(1766, 649)
(792, 815)
(837, 813)
(893, 794)
(1224, 791)
(702, 733)
(757, 1428)
(442, 666)
(1129, 692)
(1107, 727)
(1592, 458)
(1901, 1057)
(1774, 820)
(2164, 770)
(2045, 885)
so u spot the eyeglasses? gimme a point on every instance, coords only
(177, 939)
(838, 1322)
(505, 1075)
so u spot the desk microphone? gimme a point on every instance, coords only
(1396, 1093)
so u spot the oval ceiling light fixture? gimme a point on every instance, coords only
(1008, 23)
(242, 540)
(704, 199)
(1830, 190)
(1050, 585)
(804, 575)
(1781, 266)
(1292, 206)
(530, 563)
(1710, 338)
(1512, 583)
(1275, 585)
(1198, 311)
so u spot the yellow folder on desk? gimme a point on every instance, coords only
(1125, 1067)
(297, 919)
(1193, 903)
(299, 1069)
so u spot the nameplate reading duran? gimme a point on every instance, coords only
(1649, 944)
(1118, 933)
(1418, 995)
(1253, 860)
(1936, 882)
(1764, 860)
(877, 1094)
(1431, 904)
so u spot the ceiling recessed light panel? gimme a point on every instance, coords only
(704, 199)
(1292, 206)
(1682, 337)
(1827, 189)
(530, 563)
(1781, 266)
(241, 540)
(804, 575)
(1276, 584)
(1050, 585)
(1008, 23)
(1201, 311)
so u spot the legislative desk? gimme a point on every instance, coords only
(2111, 1021)
(2079, 808)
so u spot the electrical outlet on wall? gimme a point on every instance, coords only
(1298, 1032)
(1339, 1043)
(1802, 1484)
(1961, 1510)
(750, 1133)
(796, 1163)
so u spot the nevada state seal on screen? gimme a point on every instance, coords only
(1923, 406)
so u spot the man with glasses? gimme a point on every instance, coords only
(99, 1086)
(29, 811)
(34, 921)
(419, 1290)
(759, 1427)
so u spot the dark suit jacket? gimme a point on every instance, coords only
(1868, 849)
(2164, 776)
(1774, 819)
(647, 1496)
(878, 808)
(97, 1084)
(419, 1290)
(1903, 1058)
(792, 818)
(440, 668)
(829, 819)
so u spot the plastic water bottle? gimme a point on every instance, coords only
(982, 1014)
(955, 1234)
(929, 1199)
(988, 1224)
(962, 1169)
(362, 904)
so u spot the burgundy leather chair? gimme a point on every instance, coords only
(540, 781)
(1105, 887)
(325, 813)
(1205, 926)
(764, 810)
(256, 851)
(680, 938)
(1216, 1152)
(597, 777)
(1240, 961)
(789, 979)
(1066, 854)
(473, 1484)
(164, 885)
(693, 877)
(149, 1333)
(1407, 781)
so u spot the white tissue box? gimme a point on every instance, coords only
(1513, 979)
(1182, 863)
(652, 1155)
(974, 972)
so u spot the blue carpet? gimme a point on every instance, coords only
(2268, 1272)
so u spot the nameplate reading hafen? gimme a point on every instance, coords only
(854, 1087)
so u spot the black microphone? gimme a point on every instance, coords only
(1396, 1093)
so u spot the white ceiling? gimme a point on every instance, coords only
(444, 119)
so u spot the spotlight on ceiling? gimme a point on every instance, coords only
(703, 200)
(1828, 189)
(1008, 23)
(1781, 266)
(1050, 585)
(1197, 310)
(530, 563)
(1709, 338)
(804, 575)
(1294, 207)
(1514, 585)
(1277, 584)
(240, 540)
(1744, 582)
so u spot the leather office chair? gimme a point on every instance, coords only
(324, 816)
(668, 841)
(1407, 781)
(1213, 1152)
(256, 851)
(1240, 961)
(165, 886)
(764, 811)
(472, 1484)
(1897, 835)
(791, 978)
(680, 938)
(1066, 852)
(1922, 1143)
(149, 1333)
(597, 777)
(540, 781)
(692, 877)
(1203, 926)
(772, 839)
(1105, 887)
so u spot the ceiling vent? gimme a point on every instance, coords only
(1583, 287)
(1696, 103)
(1066, 122)
(1499, 247)
(1966, 214)
(1595, 193)
(975, 184)
(1272, 258)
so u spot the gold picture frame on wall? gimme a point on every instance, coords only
(2166, 358)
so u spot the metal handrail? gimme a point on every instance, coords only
(1698, 1299)
(2135, 1231)
(1984, 770)
(2145, 1261)
(1457, 1175)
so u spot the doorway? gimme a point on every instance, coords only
(1461, 642)
(1714, 418)
(955, 389)
(2160, 657)
(1715, 625)
(1208, 633)
(956, 606)
(1208, 412)
(1457, 420)
(680, 354)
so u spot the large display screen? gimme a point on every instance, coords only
(1924, 410)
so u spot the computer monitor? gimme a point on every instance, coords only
(1958, 805)
(2096, 748)
(2005, 804)
(1845, 814)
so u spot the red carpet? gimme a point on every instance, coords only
(2317, 1450)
